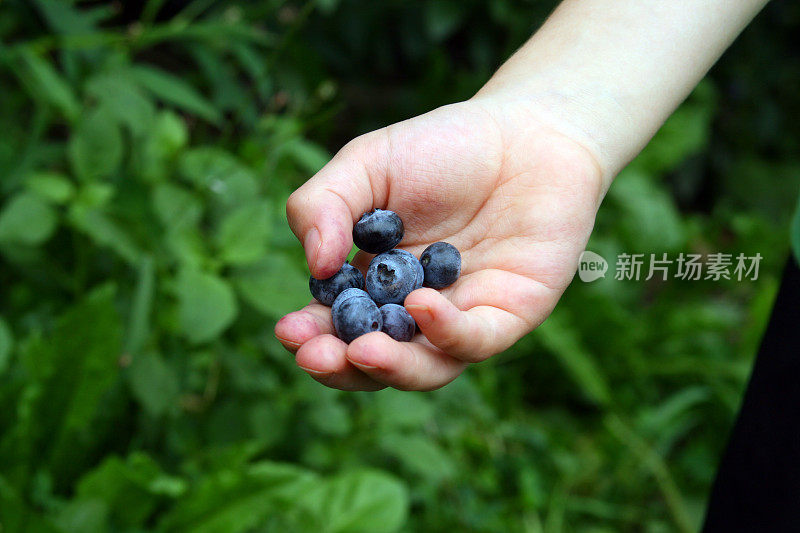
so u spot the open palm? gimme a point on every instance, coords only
(514, 195)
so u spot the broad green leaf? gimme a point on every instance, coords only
(63, 17)
(395, 408)
(685, 132)
(176, 208)
(359, 502)
(275, 285)
(153, 383)
(27, 219)
(122, 100)
(309, 156)
(45, 82)
(166, 138)
(220, 174)
(83, 515)
(175, 91)
(95, 146)
(6, 345)
(563, 340)
(331, 417)
(72, 370)
(419, 455)
(141, 307)
(243, 233)
(105, 231)
(130, 488)
(17, 515)
(206, 305)
(239, 500)
(51, 186)
(651, 221)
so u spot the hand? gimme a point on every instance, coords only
(501, 183)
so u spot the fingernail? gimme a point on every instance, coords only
(314, 372)
(312, 244)
(363, 366)
(288, 342)
(421, 313)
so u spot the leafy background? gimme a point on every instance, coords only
(146, 153)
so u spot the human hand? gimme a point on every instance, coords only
(498, 181)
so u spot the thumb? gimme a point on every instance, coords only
(321, 213)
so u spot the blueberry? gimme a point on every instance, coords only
(397, 323)
(377, 231)
(326, 290)
(442, 264)
(355, 314)
(392, 276)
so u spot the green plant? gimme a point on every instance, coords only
(144, 258)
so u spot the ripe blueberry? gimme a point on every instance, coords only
(326, 290)
(392, 276)
(397, 323)
(377, 231)
(441, 262)
(355, 314)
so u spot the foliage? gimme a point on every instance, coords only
(145, 160)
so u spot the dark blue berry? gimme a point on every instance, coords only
(441, 262)
(377, 231)
(397, 323)
(326, 290)
(392, 276)
(355, 314)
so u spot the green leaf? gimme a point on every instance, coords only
(173, 90)
(130, 488)
(83, 515)
(165, 139)
(105, 231)
(141, 306)
(95, 146)
(123, 100)
(70, 372)
(420, 455)
(51, 186)
(46, 83)
(360, 501)
(153, 383)
(6, 345)
(18, 516)
(651, 220)
(563, 340)
(242, 235)
(27, 219)
(685, 132)
(206, 305)
(309, 156)
(220, 174)
(275, 286)
(176, 208)
(239, 500)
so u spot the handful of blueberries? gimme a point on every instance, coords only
(392, 275)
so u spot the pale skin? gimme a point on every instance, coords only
(512, 177)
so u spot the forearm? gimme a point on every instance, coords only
(609, 72)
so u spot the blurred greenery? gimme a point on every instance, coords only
(147, 150)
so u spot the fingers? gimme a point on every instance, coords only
(501, 308)
(321, 212)
(299, 327)
(402, 365)
(323, 358)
